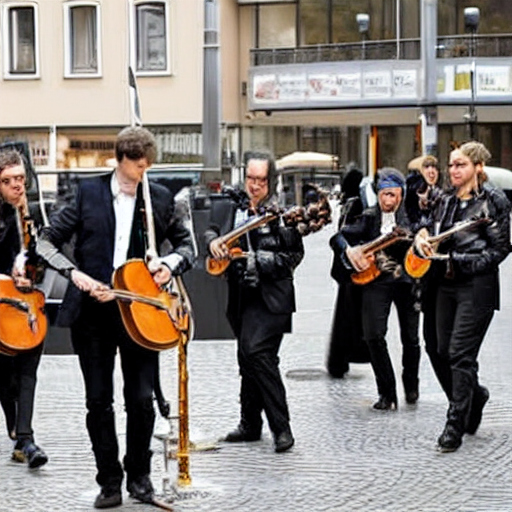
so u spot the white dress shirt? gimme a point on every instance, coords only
(124, 206)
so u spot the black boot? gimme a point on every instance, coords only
(386, 403)
(480, 398)
(451, 438)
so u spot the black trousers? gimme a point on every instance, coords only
(463, 313)
(440, 364)
(18, 379)
(262, 388)
(97, 335)
(377, 299)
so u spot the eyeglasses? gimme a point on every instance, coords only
(20, 178)
(256, 179)
(458, 165)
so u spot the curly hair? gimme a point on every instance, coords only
(10, 158)
(136, 142)
(476, 152)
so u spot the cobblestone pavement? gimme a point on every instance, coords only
(347, 456)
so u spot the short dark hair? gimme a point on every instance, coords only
(134, 143)
(10, 158)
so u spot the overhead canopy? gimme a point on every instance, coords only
(415, 163)
(307, 159)
(499, 177)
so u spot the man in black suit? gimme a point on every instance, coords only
(18, 373)
(106, 217)
(260, 304)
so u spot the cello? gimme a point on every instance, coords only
(23, 322)
(154, 317)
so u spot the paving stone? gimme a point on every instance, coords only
(347, 456)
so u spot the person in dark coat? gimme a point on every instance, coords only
(467, 294)
(18, 373)
(391, 285)
(261, 300)
(107, 218)
(346, 341)
(423, 192)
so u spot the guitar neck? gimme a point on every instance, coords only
(380, 243)
(230, 237)
(455, 229)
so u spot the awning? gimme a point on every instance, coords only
(307, 159)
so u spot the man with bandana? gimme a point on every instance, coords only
(392, 285)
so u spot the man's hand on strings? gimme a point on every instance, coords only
(422, 245)
(96, 289)
(160, 271)
(357, 258)
(218, 249)
(18, 275)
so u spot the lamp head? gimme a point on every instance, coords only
(471, 19)
(363, 22)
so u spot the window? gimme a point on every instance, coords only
(152, 37)
(20, 41)
(82, 39)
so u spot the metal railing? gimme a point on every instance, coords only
(389, 49)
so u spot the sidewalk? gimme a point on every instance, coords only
(347, 456)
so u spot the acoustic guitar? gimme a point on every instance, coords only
(417, 267)
(370, 248)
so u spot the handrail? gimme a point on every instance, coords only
(455, 46)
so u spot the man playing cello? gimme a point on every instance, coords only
(18, 373)
(107, 218)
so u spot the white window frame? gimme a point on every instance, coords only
(7, 43)
(168, 38)
(68, 71)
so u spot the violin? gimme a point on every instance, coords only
(307, 220)
(23, 322)
(370, 248)
(417, 267)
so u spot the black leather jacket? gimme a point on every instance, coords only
(480, 249)
(275, 252)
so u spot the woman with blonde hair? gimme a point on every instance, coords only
(466, 270)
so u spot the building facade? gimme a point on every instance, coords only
(374, 83)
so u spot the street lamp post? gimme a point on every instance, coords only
(363, 22)
(471, 21)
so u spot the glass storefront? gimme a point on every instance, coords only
(495, 16)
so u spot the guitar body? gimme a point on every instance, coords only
(366, 276)
(415, 266)
(217, 267)
(23, 322)
(150, 327)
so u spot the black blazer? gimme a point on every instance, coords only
(90, 218)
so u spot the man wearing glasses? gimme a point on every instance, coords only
(260, 303)
(18, 373)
